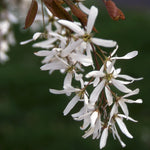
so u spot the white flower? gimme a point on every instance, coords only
(108, 75)
(85, 36)
(92, 121)
(4, 27)
(81, 95)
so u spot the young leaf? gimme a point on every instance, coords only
(77, 12)
(31, 14)
(55, 7)
(114, 12)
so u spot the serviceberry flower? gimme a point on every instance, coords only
(103, 92)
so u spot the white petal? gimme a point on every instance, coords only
(82, 117)
(71, 47)
(94, 74)
(71, 26)
(120, 86)
(36, 35)
(108, 95)
(114, 51)
(45, 44)
(63, 91)
(86, 123)
(136, 91)
(96, 81)
(138, 101)
(93, 118)
(110, 67)
(88, 132)
(48, 58)
(128, 118)
(68, 80)
(123, 127)
(91, 19)
(126, 82)
(123, 107)
(71, 104)
(43, 53)
(116, 72)
(57, 65)
(96, 92)
(104, 137)
(117, 135)
(97, 130)
(114, 111)
(104, 43)
(127, 56)
(58, 36)
(25, 42)
(83, 59)
(128, 77)
(76, 115)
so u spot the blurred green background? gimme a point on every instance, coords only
(31, 118)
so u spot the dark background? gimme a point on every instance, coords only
(31, 118)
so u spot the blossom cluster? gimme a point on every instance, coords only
(6, 33)
(12, 12)
(70, 48)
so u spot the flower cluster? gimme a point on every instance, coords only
(6, 33)
(71, 47)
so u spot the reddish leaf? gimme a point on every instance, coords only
(55, 7)
(31, 14)
(114, 12)
(78, 13)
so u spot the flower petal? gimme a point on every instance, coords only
(71, 104)
(136, 91)
(103, 42)
(71, 26)
(91, 19)
(117, 135)
(104, 137)
(128, 118)
(86, 123)
(43, 53)
(120, 86)
(25, 42)
(71, 47)
(67, 80)
(127, 56)
(93, 118)
(123, 107)
(36, 35)
(108, 95)
(56, 65)
(114, 51)
(96, 92)
(88, 132)
(70, 90)
(138, 101)
(128, 77)
(123, 127)
(94, 74)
